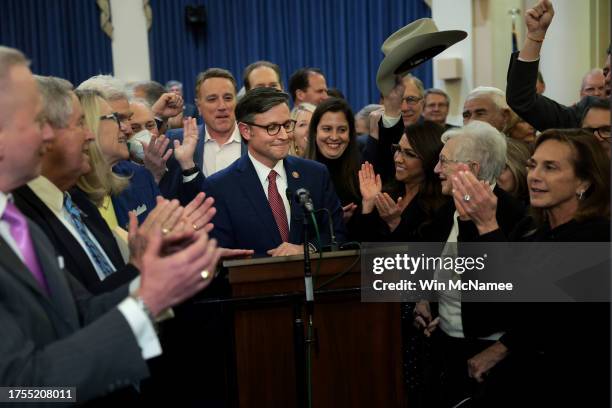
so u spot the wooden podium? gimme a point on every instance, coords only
(357, 357)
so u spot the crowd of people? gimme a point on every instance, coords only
(116, 205)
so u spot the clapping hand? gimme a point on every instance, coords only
(370, 185)
(474, 200)
(183, 152)
(156, 155)
(389, 210)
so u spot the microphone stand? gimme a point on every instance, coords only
(309, 292)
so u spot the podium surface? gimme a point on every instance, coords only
(356, 354)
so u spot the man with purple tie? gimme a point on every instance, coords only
(47, 319)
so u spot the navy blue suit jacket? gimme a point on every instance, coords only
(139, 196)
(244, 218)
(171, 185)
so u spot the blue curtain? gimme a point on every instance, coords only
(62, 37)
(342, 37)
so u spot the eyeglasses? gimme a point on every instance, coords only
(408, 153)
(111, 116)
(602, 132)
(444, 162)
(412, 100)
(274, 128)
(121, 117)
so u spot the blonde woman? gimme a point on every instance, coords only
(302, 115)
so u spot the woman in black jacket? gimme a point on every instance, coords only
(566, 344)
(397, 211)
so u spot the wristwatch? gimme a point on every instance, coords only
(191, 171)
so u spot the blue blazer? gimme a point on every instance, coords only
(139, 196)
(244, 218)
(171, 185)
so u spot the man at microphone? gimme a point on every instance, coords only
(263, 197)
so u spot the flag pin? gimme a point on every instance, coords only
(295, 175)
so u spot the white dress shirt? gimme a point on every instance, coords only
(281, 182)
(53, 198)
(217, 157)
(449, 301)
(139, 322)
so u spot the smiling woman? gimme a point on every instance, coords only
(332, 141)
(569, 187)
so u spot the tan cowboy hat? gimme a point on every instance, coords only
(411, 46)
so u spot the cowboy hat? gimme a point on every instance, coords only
(409, 47)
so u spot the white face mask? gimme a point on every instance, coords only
(136, 149)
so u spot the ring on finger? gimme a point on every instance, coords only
(467, 197)
(165, 231)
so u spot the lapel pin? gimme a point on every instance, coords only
(295, 175)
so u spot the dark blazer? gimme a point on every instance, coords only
(65, 338)
(539, 111)
(75, 258)
(374, 229)
(384, 164)
(572, 361)
(244, 218)
(479, 319)
(171, 184)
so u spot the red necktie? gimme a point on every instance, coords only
(277, 206)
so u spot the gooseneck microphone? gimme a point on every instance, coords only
(303, 197)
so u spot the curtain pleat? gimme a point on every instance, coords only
(342, 37)
(62, 37)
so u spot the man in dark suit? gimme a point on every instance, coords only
(539, 111)
(46, 200)
(45, 314)
(253, 196)
(218, 140)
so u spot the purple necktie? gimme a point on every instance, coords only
(21, 235)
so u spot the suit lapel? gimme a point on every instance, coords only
(60, 294)
(17, 268)
(97, 226)
(251, 185)
(199, 150)
(297, 214)
(65, 243)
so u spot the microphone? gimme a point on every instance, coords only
(303, 196)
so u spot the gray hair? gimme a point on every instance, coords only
(57, 94)
(417, 82)
(594, 71)
(152, 90)
(9, 57)
(141, 101)
(364, 113)
(436, 91)
(482, 143)
(496, 95)
(111, 88)
(172, 83)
